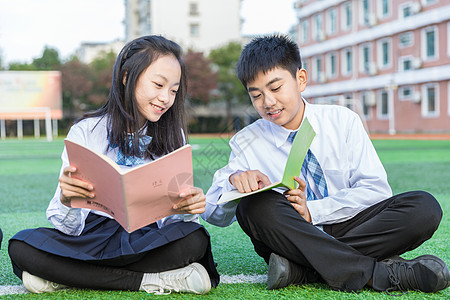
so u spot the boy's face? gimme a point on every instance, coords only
(276, 96)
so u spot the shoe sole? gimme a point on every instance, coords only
(275, 276)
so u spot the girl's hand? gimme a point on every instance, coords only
(297, 197)
(193, 202)
(72, 187)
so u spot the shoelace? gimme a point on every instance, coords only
(402, 278)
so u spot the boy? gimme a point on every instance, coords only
(341, 226)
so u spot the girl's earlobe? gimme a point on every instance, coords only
(124, 81)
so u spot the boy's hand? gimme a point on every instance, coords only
(249, 181)
(72, 187)
(297, 197)
(193, 202)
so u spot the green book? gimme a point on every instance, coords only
(300, 146)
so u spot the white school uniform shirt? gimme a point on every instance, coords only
(92, 134)
(355, 177)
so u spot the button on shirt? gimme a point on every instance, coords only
(355, 177)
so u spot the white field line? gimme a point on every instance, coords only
(225, 279)
(12, 289)
(241, 278)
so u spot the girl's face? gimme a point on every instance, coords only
(157, 87)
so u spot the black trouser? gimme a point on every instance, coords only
(344, 256)
(108, 275)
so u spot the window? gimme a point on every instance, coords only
(430, 104)
(384, 8)
(405, 92)
(365, 59)
(367, 99)
(194, 30)
(406, 39)
(331, 21)
(331, 65)
(346, 61)
(384, 53)
(429, 43)
(317, 72)
(405, 63)
(304, 31)
(317, 28)
(448, 43)
(383, 104)
(364, 12)
(448, 95)
(428, 2)
(346, 14)
(405, 10)
(193, 9)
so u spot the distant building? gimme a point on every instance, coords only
(389, 60)
(200, 25)
(88, 51)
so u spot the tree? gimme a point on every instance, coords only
(1, 60)
(18, 66)
(230, 88)
(201, 79)
(76, 84)
(102, 70)
(48, 61)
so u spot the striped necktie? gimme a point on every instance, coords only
(312, 166)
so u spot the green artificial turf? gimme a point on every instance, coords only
(29, 171)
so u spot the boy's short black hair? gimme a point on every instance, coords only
(266, 53)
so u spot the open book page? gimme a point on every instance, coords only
(103, 174)
(138, 196)
(300, 147)
(160, 188)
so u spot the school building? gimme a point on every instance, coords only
(389, 60)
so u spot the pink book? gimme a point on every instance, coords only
(135, 197)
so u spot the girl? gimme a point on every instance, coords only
(142, 120)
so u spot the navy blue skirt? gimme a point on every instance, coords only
(103, 239)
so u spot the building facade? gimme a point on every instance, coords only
(88, 51)
(200, 25)
(389, 60)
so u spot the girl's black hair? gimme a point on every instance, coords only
(121, 106)
(263, 54)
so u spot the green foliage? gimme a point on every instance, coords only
(48, 61)
(18, 66)
(230, 88)
(225, 58)
(102, 70)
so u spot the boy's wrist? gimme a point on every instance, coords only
(235, 173)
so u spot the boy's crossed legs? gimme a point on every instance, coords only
(347, 255)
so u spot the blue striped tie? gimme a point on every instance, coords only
(312, 166)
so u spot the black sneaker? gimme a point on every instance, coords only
(282, 273)
(426, 273)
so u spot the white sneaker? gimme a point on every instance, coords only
(191, 279)
(38, 285)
